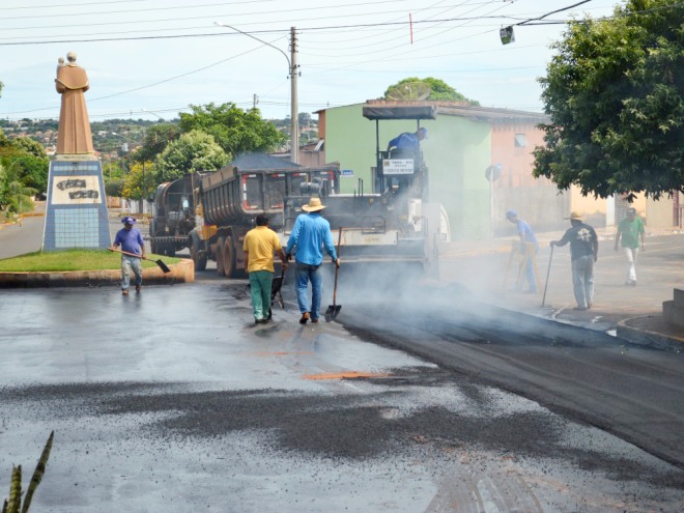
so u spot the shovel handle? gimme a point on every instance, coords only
(548, 272)
(337, 267)
(127, 253)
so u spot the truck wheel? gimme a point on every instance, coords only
(229, 258)
(198, 257)
(220, 269)
(170, 249)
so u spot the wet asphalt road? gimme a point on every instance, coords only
(173, 401)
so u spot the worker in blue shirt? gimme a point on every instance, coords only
(526, 236)
(310, 233)
(408, 142)
(131, 241)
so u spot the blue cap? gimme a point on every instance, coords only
(511, 213)
(128, 220)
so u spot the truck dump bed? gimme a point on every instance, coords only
(231, 196)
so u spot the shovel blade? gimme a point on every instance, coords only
(332, 312)
(163, 266)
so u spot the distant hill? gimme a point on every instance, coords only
(104, 132)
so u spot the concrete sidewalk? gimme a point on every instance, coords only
(633, 313)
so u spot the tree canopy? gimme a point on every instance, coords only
(235, 130)
(157, 137)
(194, 151)
(25, 165)
(615, 96)
(414, 88)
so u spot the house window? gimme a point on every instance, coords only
(520, 140)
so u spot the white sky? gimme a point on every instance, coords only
(163, 55)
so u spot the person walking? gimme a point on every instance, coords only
(131, 241)
(583, 254)
(629, 232)
(310, 235)
(259, 246)
(526, 237)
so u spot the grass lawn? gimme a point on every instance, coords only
(72, 260)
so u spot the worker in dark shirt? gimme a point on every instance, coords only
(583, 253)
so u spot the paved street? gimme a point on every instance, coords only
(174, 401)
(421, 398)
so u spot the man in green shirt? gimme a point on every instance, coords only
(630, 230)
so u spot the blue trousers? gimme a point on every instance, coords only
(128, 264)
(304, 274)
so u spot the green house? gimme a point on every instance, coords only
(462, 143)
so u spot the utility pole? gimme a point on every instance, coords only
(294, 112)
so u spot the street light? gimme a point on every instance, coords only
(153, 113)
(292, 67)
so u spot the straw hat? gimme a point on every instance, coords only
(314, 205)
(575, 216)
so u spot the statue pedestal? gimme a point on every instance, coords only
(76, 210)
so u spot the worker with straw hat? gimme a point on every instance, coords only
(583, 253)
(310, 235)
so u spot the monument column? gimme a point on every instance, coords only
(76, 213)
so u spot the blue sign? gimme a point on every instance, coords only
(347, 172)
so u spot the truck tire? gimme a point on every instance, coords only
(220, 269)
(153, 243)
(198, 257)
(170, 249)
(229, 258)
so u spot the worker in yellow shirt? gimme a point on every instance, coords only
(260, 245)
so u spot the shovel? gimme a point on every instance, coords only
(334, 309)
(548, 272)
(161, 264)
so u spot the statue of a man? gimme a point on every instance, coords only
(74, 136)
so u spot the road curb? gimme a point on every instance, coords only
(182, 272)
(636, 330)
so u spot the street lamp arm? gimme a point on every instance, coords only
(153, 113)
(129, 139)
(221, 24)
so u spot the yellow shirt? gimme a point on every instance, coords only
(261, 243)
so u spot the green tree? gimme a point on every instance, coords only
(27, 161)
(615, 97)
(27, 145)
(15, 197)
(235, 130)
(139, 182)
(194, 151)
(414, 88)
(156, 138)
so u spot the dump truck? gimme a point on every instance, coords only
(210, 213)
(173, 215)
(394, 221)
